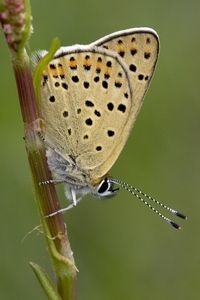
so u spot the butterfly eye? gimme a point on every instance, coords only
(106, 188)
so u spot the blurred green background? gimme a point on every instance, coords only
(122, 250)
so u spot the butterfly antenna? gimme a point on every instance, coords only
(141, 195)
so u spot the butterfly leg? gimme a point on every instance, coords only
(62, 210)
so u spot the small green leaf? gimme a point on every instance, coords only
(45, 282)
(42, 64)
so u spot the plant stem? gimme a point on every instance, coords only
(15, 16)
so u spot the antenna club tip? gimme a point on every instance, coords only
(180, 215)
(175, 225)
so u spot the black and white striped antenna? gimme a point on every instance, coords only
(143, 196)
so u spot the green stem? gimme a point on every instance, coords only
(54, 228)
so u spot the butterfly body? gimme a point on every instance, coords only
(90, 98)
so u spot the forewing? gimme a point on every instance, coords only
(85, 103)
(138, 48)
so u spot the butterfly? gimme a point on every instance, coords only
(90, 98)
